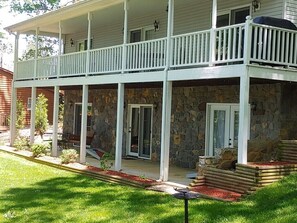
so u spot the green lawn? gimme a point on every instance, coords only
(31, 192)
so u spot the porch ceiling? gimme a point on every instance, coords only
(104, 13)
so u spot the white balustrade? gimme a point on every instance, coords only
(191, 49)
(146, 55)
(25, 70)
(106, 60)
(47, 67)
(273, 46)
(229, 44)
(74, 64)
(269, 45)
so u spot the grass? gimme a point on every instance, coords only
(31, 192)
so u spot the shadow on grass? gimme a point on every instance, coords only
(61, 197)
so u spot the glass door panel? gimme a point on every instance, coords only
(134, 131)
(140, 129)
(145, 130)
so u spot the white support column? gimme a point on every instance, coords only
(13, 108)
(13, 114)
(125, 38)
(60, 50)
(166, 100)
(243, 118)
(120, 127)
(84, 118)
(89, 44)
(55, 122)
(32, 120)
(165, 132)
(212, 32)
(36, 52)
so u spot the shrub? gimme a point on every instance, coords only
(68, 156)
(41, 120)
(40, 149)
(105, 161)
(21, 142)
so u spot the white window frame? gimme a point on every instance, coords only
(229, 11)
(143, 30)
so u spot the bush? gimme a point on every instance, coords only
(68, 156)
(21, 143)
(40, 149)
(105, 161)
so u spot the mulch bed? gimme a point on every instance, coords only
(217, 193)
(122, 175)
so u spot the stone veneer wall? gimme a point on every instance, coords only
(188, 119)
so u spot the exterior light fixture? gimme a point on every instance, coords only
(71, 42)
(156, 25)
(256, 5)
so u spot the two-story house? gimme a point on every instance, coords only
(167, 80)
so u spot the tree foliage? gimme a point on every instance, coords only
(21, 114)
(47, 46)
(41, 120)
(34, 7)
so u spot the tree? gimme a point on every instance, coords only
(41, 120)
(21, 114)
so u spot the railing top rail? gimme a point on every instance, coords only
(231, 26)
(146, 41)
(192, 33)
(48, 58)
(274, 27)
(25, 61)
(107, 48)
(74, 53)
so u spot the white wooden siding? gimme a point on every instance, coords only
(291, 10)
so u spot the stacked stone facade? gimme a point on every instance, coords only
(188, 119)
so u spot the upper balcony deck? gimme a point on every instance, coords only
(237, 44)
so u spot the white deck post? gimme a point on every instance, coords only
(120, 125)
(55, 122)
(13, 106)
(32, 120)
(213, 33)
(243, 118)
(125, 38)
(165, 135)
(247, 40)
(84, 119)
(60, 50)
(36, 52)
(88, 44)
(166, 100)
(13, 114)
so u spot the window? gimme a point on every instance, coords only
(142, 34)
(234, 16)
(83, 45)
(29, 102)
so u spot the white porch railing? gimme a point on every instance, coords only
(106, 60)
(74, 64)
(25, 70)
(191, 49)
(47, 67)
(146, 55)
(229, 44)
(273, 45)
(267, 45)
